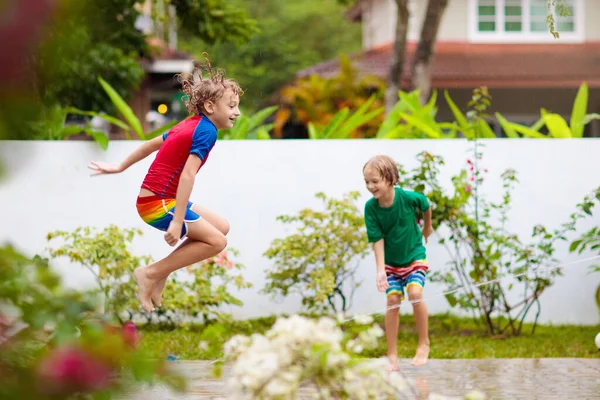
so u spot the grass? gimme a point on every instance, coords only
(451, 337)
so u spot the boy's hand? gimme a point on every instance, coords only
(173, 233)
(104, 168)
(427, 231)
(382, 283)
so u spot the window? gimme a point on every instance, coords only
(523, 21)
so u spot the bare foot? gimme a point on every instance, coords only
(393, 364)
(422, 355)
(144, 288)
(157, 292)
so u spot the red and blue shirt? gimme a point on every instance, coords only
(195, 135)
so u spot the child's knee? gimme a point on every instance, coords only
(394, 299)
(414, 293)
(219, 242)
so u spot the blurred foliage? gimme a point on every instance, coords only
(285, 45)
(53, 345)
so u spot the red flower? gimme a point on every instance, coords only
(72, 370)
(130, 335)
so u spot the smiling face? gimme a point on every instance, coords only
(224, 111)
(377, 184)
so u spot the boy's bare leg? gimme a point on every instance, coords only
(421, 320)
(218, 222)
(206, 241)
(392, 318)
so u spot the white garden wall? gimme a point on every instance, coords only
(46, 187)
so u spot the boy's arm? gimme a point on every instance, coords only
(382, 283)
(427, 227)
(138, 154)
(184, 190)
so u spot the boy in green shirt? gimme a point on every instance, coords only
(390, 217)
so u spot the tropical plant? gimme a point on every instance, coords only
(409, 119)
(130, 116)
(52, 125)
(250, 127)
(320, 259)
(341, 128)
(319, 100)
(556, 125)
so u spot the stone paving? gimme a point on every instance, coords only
(516, 379)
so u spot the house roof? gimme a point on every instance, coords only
(462, 64)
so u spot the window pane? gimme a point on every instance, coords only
(512, 10)
(538, 11)
(512, 27)
(565, 26)
(487, 10)
(487, 26)
(538, 26)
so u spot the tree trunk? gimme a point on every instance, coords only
(395, 77)
(421, 64)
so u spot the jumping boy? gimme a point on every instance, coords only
(390, 217)
(182, 151)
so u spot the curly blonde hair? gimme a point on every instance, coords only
(386, 167)
(199, 89)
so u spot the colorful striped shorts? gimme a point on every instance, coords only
(159, 213)
(400, 278)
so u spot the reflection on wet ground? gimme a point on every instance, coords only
(531, 379)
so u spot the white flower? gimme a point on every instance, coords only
(203, 345)
(363, 319)
(475, 395)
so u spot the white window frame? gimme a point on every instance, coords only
(525, 36)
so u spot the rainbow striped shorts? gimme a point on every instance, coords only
(159, 213)
(400, 278)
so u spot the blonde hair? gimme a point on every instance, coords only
(386, 167)
(199, 89)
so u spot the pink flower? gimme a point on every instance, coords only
(468, 188)
(472, 179)
(469, 162)
(229, 264)
(72, 370)
(130, 335)
(471, 168)
(485, 170)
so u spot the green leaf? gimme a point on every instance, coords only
(556, 124)
(260, 116)
(313, 133)
(262, 133)
(460, 117)
(161, 130)
(574, 245)
(123, 108)
(590, 117)
(335, 122)
(392, 119)
(526, 131)
(108, 118)
(431, 132)
(508, 129)
(485, 131)
(99, 137)
(451, 299)
(356, 121)
(579, 111)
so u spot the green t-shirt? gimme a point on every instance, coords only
(397, 226)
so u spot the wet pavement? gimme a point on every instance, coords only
(516, 379)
